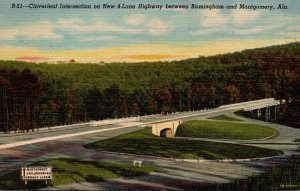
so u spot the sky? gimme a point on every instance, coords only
(134, 35)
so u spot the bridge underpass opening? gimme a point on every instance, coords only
(268, 113)
(167, 132)
(165, 129)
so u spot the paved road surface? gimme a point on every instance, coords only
(174, 175)
(284, 140)
(11, 140)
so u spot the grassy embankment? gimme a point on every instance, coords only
(282, 177)
(224, 118)
(223, 130)
(144, 143)
(66, 171)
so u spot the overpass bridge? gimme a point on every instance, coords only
(162, 125)
(167, 127)
(255, 104)
(268, 106)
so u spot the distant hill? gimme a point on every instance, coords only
(73, 92)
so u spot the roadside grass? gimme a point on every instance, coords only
(144, 143)
(223, 130)
(225, 118)
(283, 177)
(66, 171)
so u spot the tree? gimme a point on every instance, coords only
(31, 90)
(70, 101)
(112, 96)
(233, 93)
(163, 97)
(5, 86)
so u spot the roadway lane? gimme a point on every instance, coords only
(15, 140)
(284, 140)
(66, 135)
(13, 158)
(174, 175)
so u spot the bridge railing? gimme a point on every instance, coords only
(114, 121)
(262, 101)
(43, 129)
(260, 106)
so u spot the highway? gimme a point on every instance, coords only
(9, 141)
(17, 150)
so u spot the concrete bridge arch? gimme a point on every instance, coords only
(165, 129)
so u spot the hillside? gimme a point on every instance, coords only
(38, 95)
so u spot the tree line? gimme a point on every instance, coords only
(19, 99)
(35, 95)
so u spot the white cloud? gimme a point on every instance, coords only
(98, 26)
(39, 30)
(245, 31)
(291, 34)
(81, 26)
(208, 31)
(135, 19)
(68, 23)
(212, 18)
(257, 29)
(241, 17)
(97, 38)
(294, 27)
(159, 27)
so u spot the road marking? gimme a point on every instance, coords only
(21, 143)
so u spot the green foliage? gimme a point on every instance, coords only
(223, 130)
(291, 116)
(19, 96)
(285, 176)
(66, 171)
(77, 92)
(144, 143)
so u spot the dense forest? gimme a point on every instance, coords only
(34, 95)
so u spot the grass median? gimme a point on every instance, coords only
(144, 143)
(284, 176)
(224, 118)
(66, 171)
(223, 130)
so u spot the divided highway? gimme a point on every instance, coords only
(17, 150)
(10, 141)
